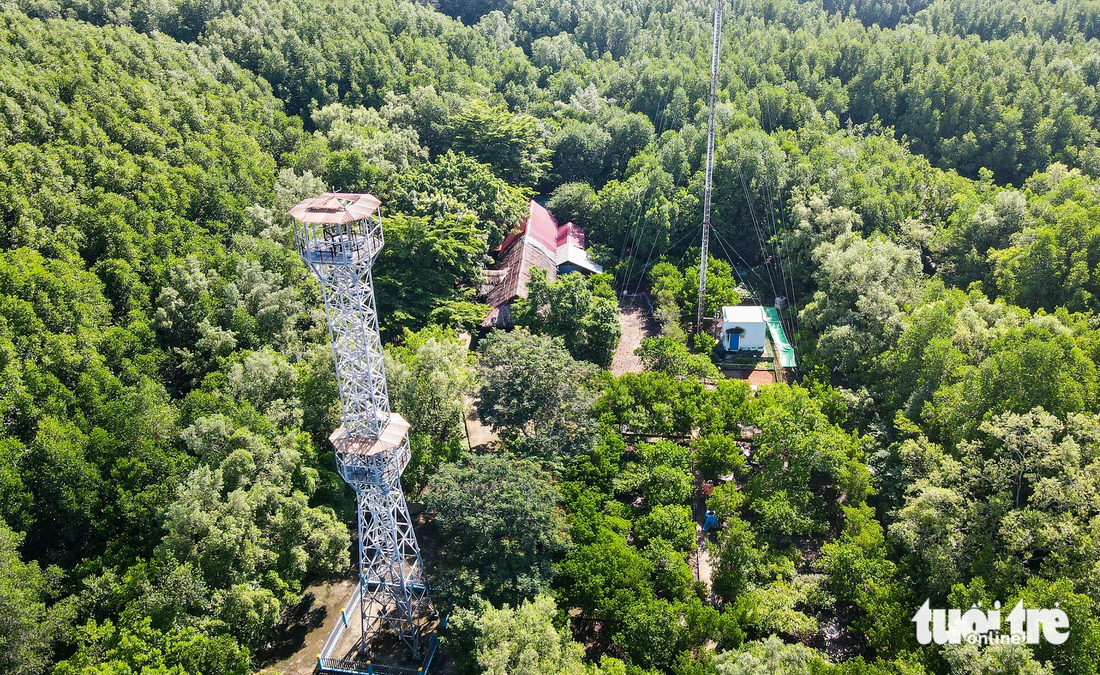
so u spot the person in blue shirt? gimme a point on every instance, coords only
(710, 521)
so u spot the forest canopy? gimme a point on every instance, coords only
(918, 180)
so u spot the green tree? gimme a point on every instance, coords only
(424, 262)
(721, 290)
(429, 377)
(605, 579)
(573, 202)
(676, 294)
(652, 633)
(31, 629)
(864, 287)
(717, 455)
(994, 659)
(581, 311)
(672, 578)
(535, 395)
(243, 524)
(805, 463)
(365, 131)
(1053, 263)
(672, 524)
(502, 530)
(815, 222)
(511, 143)
(456, 184)
(1078, 653)
(666, 485)
(666, 355)
(770, 657)
(137, 649)
(859, 572)
(741, 560)
(772, 608)
(525, 641)
(580, 152)
(1019, 462)
(655, 404)
(667, 289)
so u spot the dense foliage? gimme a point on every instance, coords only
(918, 179)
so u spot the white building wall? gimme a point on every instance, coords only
(750, 319)
(753, 337)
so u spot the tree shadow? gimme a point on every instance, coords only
(296, 622)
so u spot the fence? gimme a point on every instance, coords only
(327, 664)
(348, 667)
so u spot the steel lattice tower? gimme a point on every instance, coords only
(339, 237)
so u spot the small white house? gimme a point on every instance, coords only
(743, 328)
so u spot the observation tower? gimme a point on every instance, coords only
(339, 236)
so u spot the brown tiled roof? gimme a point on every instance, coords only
(516, 263)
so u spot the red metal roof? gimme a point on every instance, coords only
(534, 243)
(540, 225)
(335, 207)
(570, 233)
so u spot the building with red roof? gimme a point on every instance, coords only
(540, 242)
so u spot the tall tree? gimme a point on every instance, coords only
(581, 311)
(864, 288)
(429, 377)
(501, 527)
(423, 264)
(513, 144)
(30, 629)
(536, 395)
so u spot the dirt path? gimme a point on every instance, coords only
(701, 562)
(481, 437)
(750, 375)
(636, 318)
(306, 627)
(705, 570)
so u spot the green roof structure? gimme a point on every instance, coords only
(784, 352)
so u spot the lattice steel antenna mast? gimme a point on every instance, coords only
(709, 176)
(339, 237)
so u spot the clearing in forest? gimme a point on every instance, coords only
(636, 318)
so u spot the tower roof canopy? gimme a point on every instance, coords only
(335, 207)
